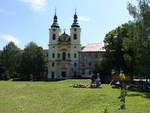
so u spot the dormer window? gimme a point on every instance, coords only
(75, 36)
(54, 36)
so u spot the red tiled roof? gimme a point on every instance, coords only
(94, 47)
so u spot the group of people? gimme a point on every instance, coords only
(95, 81)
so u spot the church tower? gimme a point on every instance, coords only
(75, 33)
(54, 31)
(75, 30)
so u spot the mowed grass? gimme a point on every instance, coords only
(59, 97)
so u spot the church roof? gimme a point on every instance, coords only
(94, 47)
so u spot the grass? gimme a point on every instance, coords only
(59, 97)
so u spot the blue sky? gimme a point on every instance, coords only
(23, 21)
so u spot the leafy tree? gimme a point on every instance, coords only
(33, 63)
(118, 45)
(141, 15)
(10, 60)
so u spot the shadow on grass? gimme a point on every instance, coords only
(147, 95)
(134, 95)
(142, 94)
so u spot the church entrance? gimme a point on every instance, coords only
(63, 74)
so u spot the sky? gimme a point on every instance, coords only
(23, 21)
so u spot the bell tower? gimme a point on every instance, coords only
(54, 31)
(75, 30)
(75, 33)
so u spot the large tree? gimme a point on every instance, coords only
(33, 63)
(10, 60)
(118, 48)
(141, 15)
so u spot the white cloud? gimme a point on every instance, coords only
(36, 5)
(9, 38)
(84, 19)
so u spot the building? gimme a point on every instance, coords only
(89, 57)
(63, 50)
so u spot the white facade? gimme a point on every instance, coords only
(63, 53)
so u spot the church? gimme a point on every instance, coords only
(63, 53)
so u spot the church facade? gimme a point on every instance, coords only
(63, 53)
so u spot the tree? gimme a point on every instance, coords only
(33, 63)
(119, 49)
(10, 60)
(141, 15)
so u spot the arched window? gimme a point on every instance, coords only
(64, 56)
(53, 55)
(75, 55)
(53, 64)
(75, 36)
(68, 55)
(75, 29)
(54, 36)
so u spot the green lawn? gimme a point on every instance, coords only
(59, 97)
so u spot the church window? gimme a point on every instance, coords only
(75, 36)
(68, 55)
(75, 55)
(54, 36)
(75, 29)
(53, 55)
(53, 64)
(64, 56)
